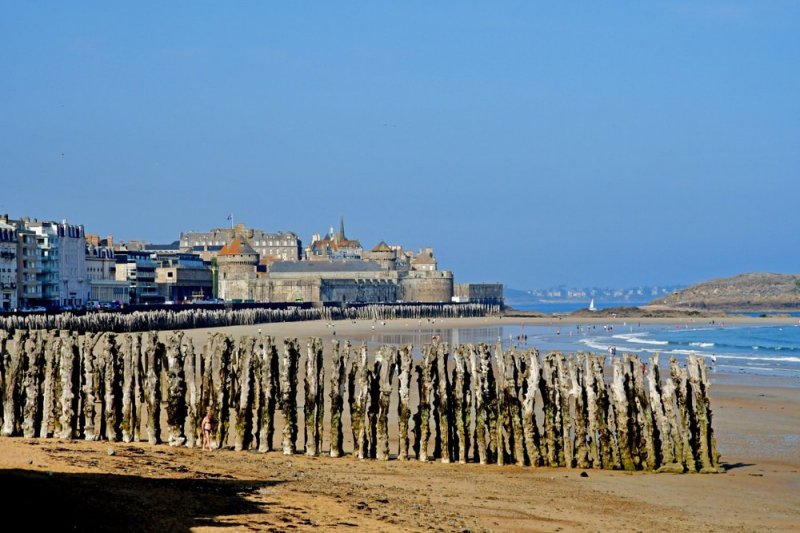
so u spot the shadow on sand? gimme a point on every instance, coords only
(108, 502)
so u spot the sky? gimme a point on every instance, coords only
(529, 143)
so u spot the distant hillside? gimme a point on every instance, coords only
(745, 292)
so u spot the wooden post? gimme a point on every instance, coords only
(404, 391)
(242, 396)
(386, 365)
(289, 367)
(338, 379)
(313, 405)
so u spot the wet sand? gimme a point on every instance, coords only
(142, 487)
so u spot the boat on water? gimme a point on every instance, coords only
(591, 306)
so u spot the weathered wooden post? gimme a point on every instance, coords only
(644, 417)
(666, 450)
(679, 381)
(270, 386)
(112, 401)
(622, 412)
(242, 392)
(50, 361)
(530, 429)
(313, 405)
(578, 401)
(706, 451)
(461, 402)
(126, 349)
(358, 389)
(386, 364)
(425, 373)
(152, 361)
(289, 368)
(13, 365)
(191, 373)
(445, 400)
(404, 391)
(89, 384)
(338, 379)
(31, 379)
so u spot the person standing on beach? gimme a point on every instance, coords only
(207, 430)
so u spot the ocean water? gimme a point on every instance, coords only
(754, 350)
(550, 308)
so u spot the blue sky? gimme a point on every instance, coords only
(529, 143)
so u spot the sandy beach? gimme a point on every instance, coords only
(100, 485)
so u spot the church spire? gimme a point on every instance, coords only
(341, 229)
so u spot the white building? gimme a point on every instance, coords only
(62, 250)
(8, 267)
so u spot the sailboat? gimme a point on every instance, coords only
(591, 306)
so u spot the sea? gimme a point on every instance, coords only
(744, 350)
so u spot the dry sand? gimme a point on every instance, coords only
(69, 485)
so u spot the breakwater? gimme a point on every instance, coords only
(467, 403)
(162, 319)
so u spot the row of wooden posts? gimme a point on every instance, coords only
(503, 407)
(200, 317)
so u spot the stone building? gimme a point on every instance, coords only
(334, 246)
(183, 277)
(280, 246)
(237, 262)
(8, 267)
(101, 272)
(333, 281)
(485, 293)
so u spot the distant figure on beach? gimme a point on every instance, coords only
(207, 430)
(713, 359)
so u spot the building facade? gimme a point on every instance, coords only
(101, 271)
(181, 277)
(8, 267)
(485, 293)
(334, 246)
(279, 246)
(139, 270)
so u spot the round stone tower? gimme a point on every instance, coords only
(237, 262)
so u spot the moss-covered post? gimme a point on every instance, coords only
(666, 450)
(339, 360)
(404, 392)
(270, 387)
(386, 368)
(50, 363)
(425, 376)
(622, 414)
(31, 382)
(533, 375)
(460, 401)
(445, 399)
(192, 400)
(644, 417)
(314, 400)
(288, 376)
(112, 385)
(90, 384)
(578, 401)
(125, 348)
(680, 386)
(242, 392)
(706, 452)
(152, 361)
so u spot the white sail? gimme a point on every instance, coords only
(591, 306)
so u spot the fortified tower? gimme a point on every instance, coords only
(237, 263)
